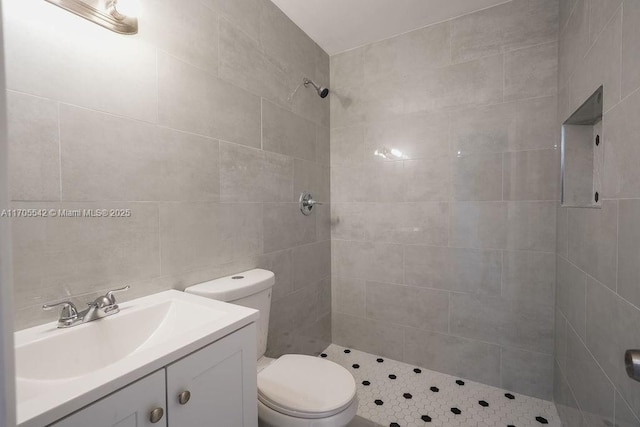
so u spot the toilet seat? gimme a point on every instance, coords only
(306, 387)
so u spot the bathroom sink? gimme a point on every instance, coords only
(61, 370)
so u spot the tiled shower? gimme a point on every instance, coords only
(444, 256)
(441, 242)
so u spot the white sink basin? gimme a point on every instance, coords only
(62, 370)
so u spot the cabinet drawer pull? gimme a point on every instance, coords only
(183, 398)
(156, 415)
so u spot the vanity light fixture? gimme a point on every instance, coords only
(390, 154)
(116, 15)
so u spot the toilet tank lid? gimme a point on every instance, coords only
(236, 286)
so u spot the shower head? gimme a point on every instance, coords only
(322, 91)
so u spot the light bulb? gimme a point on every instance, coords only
(396, 152)
(128, 8)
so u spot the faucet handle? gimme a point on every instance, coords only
(69, 310)
(112, 298)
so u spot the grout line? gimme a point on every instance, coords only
(449, 314)
(621, 46)
(422, 28)
(59, 108)
(617, 246)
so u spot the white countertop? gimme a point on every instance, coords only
(59, 371)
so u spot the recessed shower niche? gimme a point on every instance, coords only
(583, 155)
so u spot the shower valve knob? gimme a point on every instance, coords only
(307, 203)
(632, 364)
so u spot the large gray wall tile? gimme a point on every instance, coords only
(522, 23)
(531, 72)
(348, 296)
(347, 145)
(281, 38)
(347, 221)
(281, 263)
(428, 179)
(593, 390)
(347, 184)
(286, 133)
(600, 12)
(246, 14)
(187, 30)
(571, 295)
(565, 401)
(310, 177)
(527, 373)
(424, 48)
(193, 100)
(409, 223)
(531, 175)
(513, 126)
(199, 235)
(367, 260)
(610, 332)
(624, 415)
(34, 147)
(416, 136)
(251, 175)
(461, 357)
(628, 251)
(409, 306)
(560, 345)
(630, 53)
(478, 225)
(311, 263)
(593, 237)
(574, 42)
(604, 63)
(503, 321)
(529, 276)
(285, 226)
(288, 315)
(347, 68)
(368, 335)
(152, 163)
(477, 177)
(474, 83)
(531, 226)
(243, 63)
(384, 182)
(460, 270)
(622, 149)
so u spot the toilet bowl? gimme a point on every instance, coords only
(294, 390)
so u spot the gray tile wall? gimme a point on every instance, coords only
(597, 314)
(446, 258)
(191, 125)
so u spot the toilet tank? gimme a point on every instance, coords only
(249, 289)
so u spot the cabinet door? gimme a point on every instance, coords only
(222, 382)
(128, 407)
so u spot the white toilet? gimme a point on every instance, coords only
(293, 390)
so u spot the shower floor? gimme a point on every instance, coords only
(395, 394)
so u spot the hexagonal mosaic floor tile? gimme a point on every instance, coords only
(392, 393)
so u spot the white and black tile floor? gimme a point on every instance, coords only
(396, 394)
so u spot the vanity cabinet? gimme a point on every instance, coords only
(128, 407)
(214, 386)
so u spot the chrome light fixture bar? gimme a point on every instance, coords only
(102, 12)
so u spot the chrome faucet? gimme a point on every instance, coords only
(103, 306)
